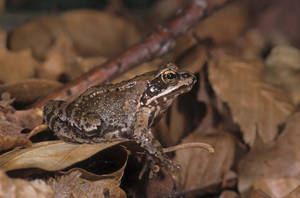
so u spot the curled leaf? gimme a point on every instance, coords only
(51, 156)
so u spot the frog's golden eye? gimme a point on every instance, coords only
(169, 76)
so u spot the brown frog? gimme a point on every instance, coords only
(124, 110)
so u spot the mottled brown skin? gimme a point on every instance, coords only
(124, 110)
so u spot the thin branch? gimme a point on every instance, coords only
(201, 145)
(155, 45)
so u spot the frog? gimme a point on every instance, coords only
(125, 110)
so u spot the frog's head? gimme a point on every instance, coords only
(164, 87)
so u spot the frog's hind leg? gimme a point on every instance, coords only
(65, 133)
(112, 136)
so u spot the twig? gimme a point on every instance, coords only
(155, 45)
(201, 145)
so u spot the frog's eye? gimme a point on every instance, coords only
(169, 76)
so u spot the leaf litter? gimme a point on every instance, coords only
(245, 104)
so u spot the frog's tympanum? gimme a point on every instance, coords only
(124, 110)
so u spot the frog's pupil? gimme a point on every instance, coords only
(171, 76)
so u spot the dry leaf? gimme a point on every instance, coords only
(178, 124)
(278, 17)
(72, 185)
(57, 58)
(61, 60)
(256, 106)
(149, 16)
(80, 183)
(171, 134)
(18, 188)
(284, 56)
(3, 36)
(143, 68)
(51, 156)
(160, 187)
(16, 66)
(13, 122)
(29, 90)
(91, 32)
(200, 168)
(229, 194)
(195, 59)
(85, 64)
(294, 194)
(277, 161)
(24, 118)
(2, 5)
(259, 194)
(225, 25)
(276, 188)
(252, 45)
(283, 70)
(11, 136)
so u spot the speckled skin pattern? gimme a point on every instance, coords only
(124, 110)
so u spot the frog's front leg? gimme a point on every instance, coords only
(144, 137)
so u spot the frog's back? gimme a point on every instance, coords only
(107, 113)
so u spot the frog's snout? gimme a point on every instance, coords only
(190, 76)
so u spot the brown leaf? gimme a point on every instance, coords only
(92, 33)
(51, 156)
(143, 68)
(72, 185)
(200, 168)
(256, 106)
(3, 36)
(283, 66)
(25, 118)
(57, 58)
(10, 136)
(279, 17)
(259, 194)
(2, 5)
(160, 187)
(81, 183)
(225, 25)
(85, 64)
(16, 66)
(277, 161)
(276, 188)
(13, 122)
(18, 188)
(170, 135)
(251, 45)
(195, 59)
(294, 194)
(229, 194)
(27, 91)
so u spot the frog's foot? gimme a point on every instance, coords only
(154, 162)
(149, 166)
(167, 162)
